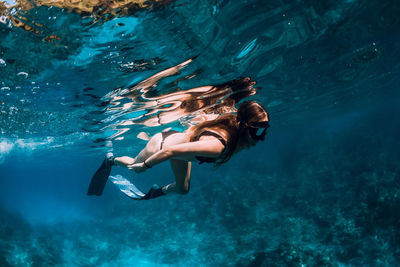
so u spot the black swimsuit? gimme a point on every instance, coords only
(208, 159)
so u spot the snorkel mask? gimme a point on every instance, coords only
(258, 130)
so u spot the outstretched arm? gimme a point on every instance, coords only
(186, 152)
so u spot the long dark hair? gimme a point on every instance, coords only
(235, 125)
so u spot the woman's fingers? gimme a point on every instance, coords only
(137, 167)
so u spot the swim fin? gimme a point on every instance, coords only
(154, 192)
(127, 187)
(100, 178)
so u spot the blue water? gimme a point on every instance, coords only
(322, 190)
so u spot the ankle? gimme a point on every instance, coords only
(110, 158)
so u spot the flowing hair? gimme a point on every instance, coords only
(234, 125)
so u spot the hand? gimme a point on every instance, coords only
(137, 167)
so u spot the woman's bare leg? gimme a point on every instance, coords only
(182, 171)
(151, 147)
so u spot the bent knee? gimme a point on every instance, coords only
(183, 190)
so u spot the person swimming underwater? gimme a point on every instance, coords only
(213, 141)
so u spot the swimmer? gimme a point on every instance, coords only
(213, 141)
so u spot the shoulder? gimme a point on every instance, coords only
(218, 132)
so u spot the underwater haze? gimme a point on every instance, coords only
(322, 190)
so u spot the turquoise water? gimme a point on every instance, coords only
(322, 190)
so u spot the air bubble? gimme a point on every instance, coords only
(23, 74)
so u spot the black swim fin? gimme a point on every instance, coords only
(132, 191)
(100, 178)
(154, 192)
